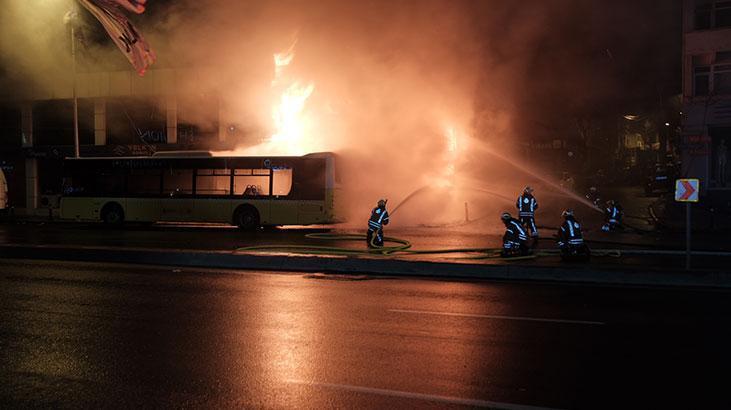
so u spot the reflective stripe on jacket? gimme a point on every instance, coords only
(526, 205)
(379, 217)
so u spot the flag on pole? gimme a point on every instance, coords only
(121, 30)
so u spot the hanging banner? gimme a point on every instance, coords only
(122, 31)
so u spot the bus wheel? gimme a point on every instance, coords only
(246, 218)
(112, 214)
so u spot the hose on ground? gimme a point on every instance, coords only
(402, 248)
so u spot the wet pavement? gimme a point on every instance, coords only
(93, 335)
(478, 234)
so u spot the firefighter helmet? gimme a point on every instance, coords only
(528, 189)
(381, 203)
(592, 189)
(610, 202)
(505, 216)
(567, 213)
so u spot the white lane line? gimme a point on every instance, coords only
(420, 396)
(531, 319)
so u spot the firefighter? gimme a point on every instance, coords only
(379, 217)
(613, 216)
(570, 239)
(527, 206)
(594, 196)
(515, 240)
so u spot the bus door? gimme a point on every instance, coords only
(310, 187)
(177, 202)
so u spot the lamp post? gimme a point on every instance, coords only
(71, 20)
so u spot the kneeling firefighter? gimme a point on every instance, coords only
(515, 240)
(570, 239)
(379, 217)
(612, 216)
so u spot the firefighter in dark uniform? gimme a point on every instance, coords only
(613, 216)
(527, 206)
(379, 217)
(570, 239)
(515, 240)
(594, 197)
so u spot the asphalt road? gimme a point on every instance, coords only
(91, 335)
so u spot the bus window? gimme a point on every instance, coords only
(177, 182)
(282, 183)
(310, 180)
(108, 183)
(143, 182)
(78, 185)
(213, 182)
(251, 182)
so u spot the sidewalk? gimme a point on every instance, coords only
(533, 271)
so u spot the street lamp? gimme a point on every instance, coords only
(71, 18)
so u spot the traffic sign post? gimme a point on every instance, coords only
(686, 190)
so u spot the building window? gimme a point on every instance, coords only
(703, 16)
(701, 79)
(722, 14)
(710, 14)
(722, 79)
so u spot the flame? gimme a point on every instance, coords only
(455, 144)
(288, 119)
(293, 127)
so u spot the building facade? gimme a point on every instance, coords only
(119, 114)
(706, 112)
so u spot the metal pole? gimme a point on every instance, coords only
(687, 236)
(76, 103)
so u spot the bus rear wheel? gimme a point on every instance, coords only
(112, 214)
(246, 218)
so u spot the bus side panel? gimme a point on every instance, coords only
(85, 208)
(213, 210)
(311, 212)
(332, 212)
(284, 212)
(142, 209)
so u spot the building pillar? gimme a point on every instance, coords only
(26, 124)
(31, 185)
(171, 107)
(100, 121)
(31, 164)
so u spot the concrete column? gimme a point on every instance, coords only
(31, 185)
(31, 164)
(26, 124)
(100, 121)
(172, 119)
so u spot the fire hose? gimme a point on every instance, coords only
(403, 248)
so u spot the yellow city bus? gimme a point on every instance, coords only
(198, 187)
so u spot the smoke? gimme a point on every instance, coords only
(30, 35)
(411, 93)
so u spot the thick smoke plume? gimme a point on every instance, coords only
(415, 95)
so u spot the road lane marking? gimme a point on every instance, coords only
(530, 319)
(421, 396)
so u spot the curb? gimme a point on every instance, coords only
(378, 267)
